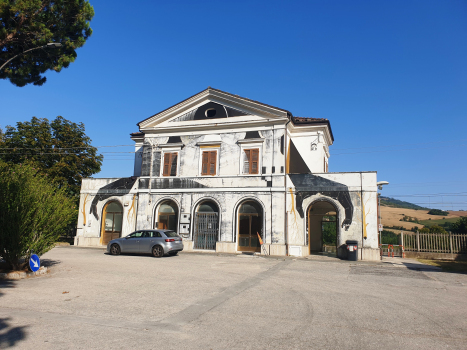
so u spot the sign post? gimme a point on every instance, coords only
(34, 263)
(261, 242)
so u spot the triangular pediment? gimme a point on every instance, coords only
(210, 110)
(212, 104)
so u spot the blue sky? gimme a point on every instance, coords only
(391, 76)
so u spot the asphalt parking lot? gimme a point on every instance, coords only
(91, 300)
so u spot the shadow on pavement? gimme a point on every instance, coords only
(49, 262)
(6, 284)
(443, 266)
(10, 336)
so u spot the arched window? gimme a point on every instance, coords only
(250, 225)
(167, 216)
(112, 222)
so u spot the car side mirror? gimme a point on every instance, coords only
(127, 237)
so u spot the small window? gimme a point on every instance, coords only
(210, 113)
(209, 163)
(251, 161)
(156, 234)
(136, 234)
(170, 164)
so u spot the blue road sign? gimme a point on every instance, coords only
(34, 263)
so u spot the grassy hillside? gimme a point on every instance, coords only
(396, 203)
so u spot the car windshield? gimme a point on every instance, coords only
(170, 234)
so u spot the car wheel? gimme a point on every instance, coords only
(174, 253)
(157, 251)
(115, 249)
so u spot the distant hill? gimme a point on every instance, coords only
(396, 203)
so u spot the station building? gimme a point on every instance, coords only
(226, 172)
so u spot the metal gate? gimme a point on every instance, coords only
(205, 235)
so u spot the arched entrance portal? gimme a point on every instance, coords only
(250, 224)
(206, 226)
(167, 216)
(112, 222)
(322, 227)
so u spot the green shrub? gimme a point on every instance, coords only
(33, 213)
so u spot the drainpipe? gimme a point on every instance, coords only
(285, 189)
(270, 189)
(363, 229)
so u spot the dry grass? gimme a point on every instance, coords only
(391, 216)
(447, 265)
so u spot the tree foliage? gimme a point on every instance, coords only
(33, 212)
(389, 237)
(28, 24)
(438, 212)
(59, 149)
(433, 229)
(460, 226)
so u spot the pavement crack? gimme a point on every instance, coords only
(195, 311)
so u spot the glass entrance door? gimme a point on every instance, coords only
(250, 225)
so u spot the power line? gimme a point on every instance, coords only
(31, 148)
(403, 144)
(389, 150)
(59, 153)
(458, 194)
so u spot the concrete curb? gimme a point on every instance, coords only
(17, 275)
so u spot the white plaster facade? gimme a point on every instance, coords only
(293, 156)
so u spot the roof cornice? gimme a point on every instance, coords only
(220, 96)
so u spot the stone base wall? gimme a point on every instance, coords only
(82, 241)
(226, 247)
(370, 254)
(274, 249)
(187, 246)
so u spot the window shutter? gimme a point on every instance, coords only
(254, 161)
(156, 163)
(204, 167)
(166, 164)
(146, 161)
(173, 168)
(212, 162)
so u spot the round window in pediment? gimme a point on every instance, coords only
(210, 113)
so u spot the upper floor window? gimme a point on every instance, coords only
(251, 161)
(170, 164)
(209, 163)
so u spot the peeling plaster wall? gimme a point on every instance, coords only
(353, 195)
(93, 192)
(228, 202)
(229, 153)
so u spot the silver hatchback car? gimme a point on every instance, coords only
(155, 242)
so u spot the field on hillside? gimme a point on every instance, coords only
(391, 216)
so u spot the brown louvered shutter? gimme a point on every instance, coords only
(212, 162)
(166, 164)
(204, 167)
(173, 167)
(254, 161)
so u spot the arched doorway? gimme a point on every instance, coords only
(322, 227)
(167, 216)
(112, 222)
(206, 226)
(250, 224)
